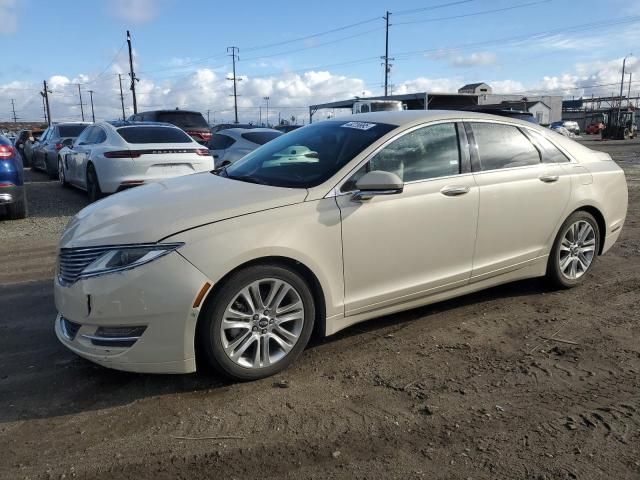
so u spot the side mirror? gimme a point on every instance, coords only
(377, 183)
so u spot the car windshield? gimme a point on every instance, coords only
(261, 137)
(183, 119)
(154, 134)
(308, 156)
(71, 130)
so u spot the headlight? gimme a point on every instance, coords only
(126, 257)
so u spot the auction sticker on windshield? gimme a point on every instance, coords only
(359, 125)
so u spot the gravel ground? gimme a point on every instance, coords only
(465, 389)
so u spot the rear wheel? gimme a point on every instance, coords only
(18, 209)
(93, 185)
(258, 323)
(574, 250)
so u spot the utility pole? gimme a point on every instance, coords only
(132, 74)
(81, 106)
(234, 54)
(267, 113)
(13, 108)
(44, 109)
(386, 53)
(121, 96)
(624, 61)
(260, 121)
(629, 91)
(208, 122)
(45, 94)
(93, 116)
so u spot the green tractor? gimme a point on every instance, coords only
(621, 125)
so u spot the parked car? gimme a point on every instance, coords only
(226, 126)
(562, 131)
(13, 196)
(231, 145)
(381, 214)
(45, 152)
(109, 157)
(572, 126)
(287, 128)
(25, 141)
(191, 122)
(594, 128)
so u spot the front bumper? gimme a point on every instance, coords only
(158, 296)
(9, 195)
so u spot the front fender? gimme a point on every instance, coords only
(307, 232)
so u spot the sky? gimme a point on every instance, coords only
(299, 53)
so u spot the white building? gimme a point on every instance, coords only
(476, 89)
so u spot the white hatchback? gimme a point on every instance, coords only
(112, 156)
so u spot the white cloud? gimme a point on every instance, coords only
(134, 11)
(475, 59)
(290, 93)
(8, 17)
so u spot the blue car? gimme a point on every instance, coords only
(13, 196)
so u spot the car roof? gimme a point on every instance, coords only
(240, 131)
(128, 123)
(169, 111)
(405, 117)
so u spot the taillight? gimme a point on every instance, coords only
(122, 154)
(6, 151)
(202, 135)
(58, 146)
(203, 152)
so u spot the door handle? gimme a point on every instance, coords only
(454, 191)
(549, 178)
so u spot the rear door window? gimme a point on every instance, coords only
(153, 134)
(550, 153)
(503, 146)
(260, 137)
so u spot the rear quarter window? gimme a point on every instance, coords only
(152, 134)
(70, 130)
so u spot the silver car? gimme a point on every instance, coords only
(228, 146)
(109, 157)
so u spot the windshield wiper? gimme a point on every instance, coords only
(248, 179)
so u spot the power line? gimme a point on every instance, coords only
(464, 15)
(104, 70)
(433, 7)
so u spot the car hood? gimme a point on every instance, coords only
(152, 212)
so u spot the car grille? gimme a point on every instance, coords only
(69, 328)
(72, 261)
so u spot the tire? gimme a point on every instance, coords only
(566, 266)
(257, 329)
(53, 173)
(93, 185)
(18, 209)
(61, 176)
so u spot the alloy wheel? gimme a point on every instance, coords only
(577, 250)
(262, 323)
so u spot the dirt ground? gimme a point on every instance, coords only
(471, 388)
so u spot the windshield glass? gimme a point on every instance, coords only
(385, 107)
(308, 156)
(71, 130)
(183, 119)
(154, 134)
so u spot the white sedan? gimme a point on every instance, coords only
(112, 156)
(373, 214)
(228, 146)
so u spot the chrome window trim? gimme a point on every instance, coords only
(336, 190)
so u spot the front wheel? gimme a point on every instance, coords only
(574, 250)
(61, 176)
(258, 323)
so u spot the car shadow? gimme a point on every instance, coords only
(39, 378)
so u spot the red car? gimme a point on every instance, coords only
(594, 128)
